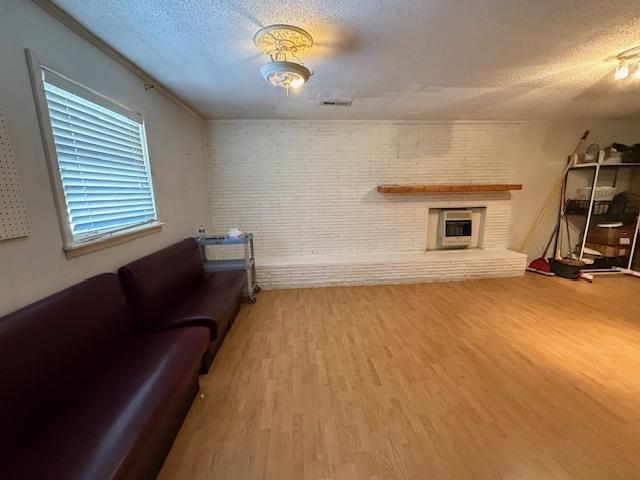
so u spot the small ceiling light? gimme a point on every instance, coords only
(625, 59)
(622, 71)
(282, 44)
(285, 74)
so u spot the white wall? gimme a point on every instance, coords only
(33, 267)
(308, 188)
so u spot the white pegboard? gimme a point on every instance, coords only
(13, 214)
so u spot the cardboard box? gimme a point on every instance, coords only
(610, 250)
(618, 236)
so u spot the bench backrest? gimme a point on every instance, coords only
(159, 281)
(51, 350)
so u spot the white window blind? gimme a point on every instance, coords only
(102, 159)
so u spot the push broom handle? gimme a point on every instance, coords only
(551, 196)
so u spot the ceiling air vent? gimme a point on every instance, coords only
(336, 102)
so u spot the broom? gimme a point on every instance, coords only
(541, 264)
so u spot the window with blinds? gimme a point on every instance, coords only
(102, 160)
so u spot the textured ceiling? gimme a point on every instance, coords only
(413, 59)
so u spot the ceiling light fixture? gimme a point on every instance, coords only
(282, 44)
(622, 71)
(625, 59)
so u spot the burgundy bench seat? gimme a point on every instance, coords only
(169, 289)
(82, 395)
(217, 297)
(118, 428)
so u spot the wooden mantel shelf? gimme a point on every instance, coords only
(448, 188)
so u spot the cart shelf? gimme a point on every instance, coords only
(227, 265)
(248, 263)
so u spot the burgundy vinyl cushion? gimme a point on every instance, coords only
(168, 289)
(124, 425)
(214, 303)
(156, 283)
(52, 350)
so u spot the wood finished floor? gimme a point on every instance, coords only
(527, 378)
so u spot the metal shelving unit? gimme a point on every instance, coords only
(248, 263)
(597, 168)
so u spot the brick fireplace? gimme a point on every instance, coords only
(308, 192)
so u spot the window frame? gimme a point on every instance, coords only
(71, 245)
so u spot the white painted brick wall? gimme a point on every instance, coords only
(308, 189)
(403, 268)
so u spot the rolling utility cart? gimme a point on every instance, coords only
(248, 263)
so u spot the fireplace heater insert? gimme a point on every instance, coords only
(454, 228)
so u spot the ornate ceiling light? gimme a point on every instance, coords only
(626, 60)
(282, 44)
